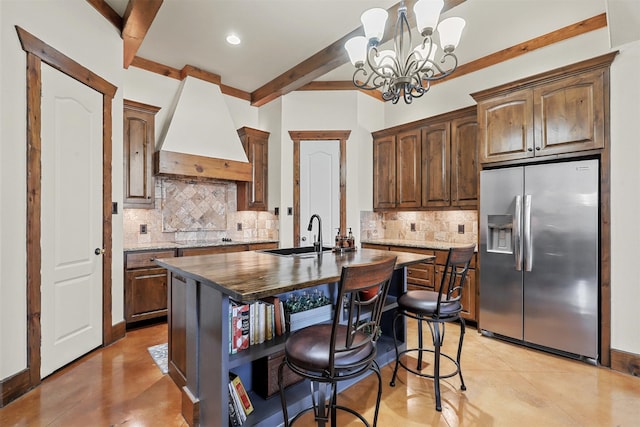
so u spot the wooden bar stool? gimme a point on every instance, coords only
(344, 349)
(436, 309)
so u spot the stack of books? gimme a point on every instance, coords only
(254, 323)
(239, 403)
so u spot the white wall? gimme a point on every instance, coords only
(625, 199)
(81, 33)
(329, 110)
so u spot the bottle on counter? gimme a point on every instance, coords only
(350, 239)
(338, 238)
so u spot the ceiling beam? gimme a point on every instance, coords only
(328, 59)
(136, 22)
(108, 12)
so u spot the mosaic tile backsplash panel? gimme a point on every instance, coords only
(438, 226)
(189, 206)
(189, 215)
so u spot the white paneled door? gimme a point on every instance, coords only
(71, 220)
(319, 189)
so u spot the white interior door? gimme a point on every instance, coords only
(319, 189)
(71, 220)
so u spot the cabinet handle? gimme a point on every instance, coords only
(537, 148)
(529, 149)
(152, 259)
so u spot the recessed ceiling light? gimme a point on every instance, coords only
(233, 39)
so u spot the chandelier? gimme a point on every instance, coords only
(406, 71)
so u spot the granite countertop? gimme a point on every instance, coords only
(194, 244)
(423, 244)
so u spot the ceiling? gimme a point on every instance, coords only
(277, 35)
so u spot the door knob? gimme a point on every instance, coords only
(99, 251)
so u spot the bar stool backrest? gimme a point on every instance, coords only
(362, 292)
(454, 277)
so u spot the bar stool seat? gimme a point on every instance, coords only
(436, 309)
(344, 349)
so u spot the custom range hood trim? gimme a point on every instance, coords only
(201, 140)
(181, 165)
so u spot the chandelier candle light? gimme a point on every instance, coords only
(406, 71)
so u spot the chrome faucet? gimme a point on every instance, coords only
(317, 244)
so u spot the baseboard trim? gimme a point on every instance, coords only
(14, 386)
(190, 408)
(118, 331)
(628, 363)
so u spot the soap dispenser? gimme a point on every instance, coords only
(350, 239)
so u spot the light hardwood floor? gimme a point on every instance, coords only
(507, 385)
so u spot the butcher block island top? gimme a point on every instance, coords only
(247, 276)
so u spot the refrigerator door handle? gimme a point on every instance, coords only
(528, 241)
(517, 228)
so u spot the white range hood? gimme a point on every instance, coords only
(201, 139)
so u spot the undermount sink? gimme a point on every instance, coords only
(294, 251)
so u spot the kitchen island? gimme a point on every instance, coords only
(199, 296)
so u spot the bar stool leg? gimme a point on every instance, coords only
(395, 344)
(282, 396)
(462, 330)
(436, 365)
(420, 344)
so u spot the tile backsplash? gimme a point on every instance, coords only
(439, 226)
(194, 211)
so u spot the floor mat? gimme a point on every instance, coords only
(159, 355)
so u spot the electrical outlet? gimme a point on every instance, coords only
(239, 226)
(143, 228)
(276, 211)
(289, 211)
(413, 226)
(460, 228)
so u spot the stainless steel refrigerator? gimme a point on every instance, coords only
(539, 258)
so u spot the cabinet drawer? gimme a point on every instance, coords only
(441, 258)
(420, 274)
(209, 250)
(146, 259)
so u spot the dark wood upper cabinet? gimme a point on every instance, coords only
(436, 161)
(427, 164)
(569, 114)
(384, 172)
(139, 145)
(555, 113)
(464, 161)
(253, 195)
(408, 169)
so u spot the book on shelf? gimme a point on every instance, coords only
(268, 334)
(245, 402)
(262, 318)
(252, 324)
(278, 315)
(234, 417)
(243, 324)
(235, 399)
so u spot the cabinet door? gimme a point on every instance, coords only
(436, 161)
(408, 169)
(384, 172)
(569, 114)
(505, 127)
(464, 161)
(253, 195)
(139, 144)
(145, 294)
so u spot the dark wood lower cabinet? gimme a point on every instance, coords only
(145, 294)
(428, 275)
